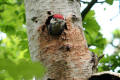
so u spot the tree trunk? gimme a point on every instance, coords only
(66, 57)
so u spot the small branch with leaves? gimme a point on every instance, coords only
(89, 6)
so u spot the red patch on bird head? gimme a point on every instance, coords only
(58, 16)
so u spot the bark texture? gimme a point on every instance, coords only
(66, 57)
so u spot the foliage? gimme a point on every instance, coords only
(109, 2)
(93, 36)
(111, 62)
(22, 69)
(116, 34)
(15, 62)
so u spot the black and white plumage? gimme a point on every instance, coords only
(55, 24)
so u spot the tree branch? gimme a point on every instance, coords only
(87, 9)
(106, 75)
(100, 2)
(85, 2)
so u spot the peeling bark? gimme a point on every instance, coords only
(66, 57)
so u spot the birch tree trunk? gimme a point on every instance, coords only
(66, 57)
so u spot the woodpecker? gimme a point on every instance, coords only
(55, 24)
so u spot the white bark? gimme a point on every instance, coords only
(38, 8)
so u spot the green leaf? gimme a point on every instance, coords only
(109, 2)
(22, 69)
(92, 34)
(116, 33)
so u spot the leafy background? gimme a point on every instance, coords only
(15, 62)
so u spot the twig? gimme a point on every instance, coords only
(87, 9)
(86, 2)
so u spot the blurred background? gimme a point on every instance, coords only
(101, 22)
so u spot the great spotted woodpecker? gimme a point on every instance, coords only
(55, 24)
